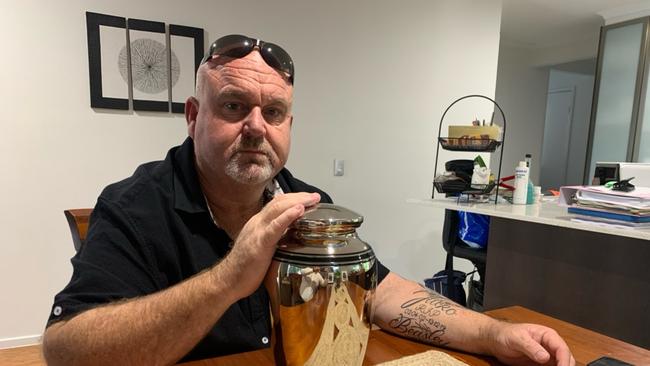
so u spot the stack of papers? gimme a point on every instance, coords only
(636, 202)
(604, 205)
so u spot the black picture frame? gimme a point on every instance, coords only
(93, 22)
(153, 27)
(198, 35)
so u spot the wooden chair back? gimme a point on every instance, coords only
(78, 222)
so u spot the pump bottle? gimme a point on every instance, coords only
(531, 189)
(520, 195)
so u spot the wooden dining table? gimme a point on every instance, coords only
(586, 345)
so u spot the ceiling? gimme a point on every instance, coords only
(547, 23)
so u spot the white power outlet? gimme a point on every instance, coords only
(339, 167)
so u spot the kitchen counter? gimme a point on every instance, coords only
(548, 213)
(583, 273)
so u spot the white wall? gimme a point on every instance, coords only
(522, 85)
(586, 48)
(373, 78)
(521, 92)
(626, 12)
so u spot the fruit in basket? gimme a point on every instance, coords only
(474, 141)
(481, 132)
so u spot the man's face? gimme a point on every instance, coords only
(241, 122)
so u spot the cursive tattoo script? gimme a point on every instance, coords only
(418, 317)
(431, 303)
(425, 329)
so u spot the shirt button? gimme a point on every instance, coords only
(265, 340)
(57, 311)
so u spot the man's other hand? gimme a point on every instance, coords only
(528, 344)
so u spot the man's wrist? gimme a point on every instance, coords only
(223, 282)
(488, 334)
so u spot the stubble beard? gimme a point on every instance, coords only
(246, 169)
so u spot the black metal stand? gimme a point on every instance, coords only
(483, 146)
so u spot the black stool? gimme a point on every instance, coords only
(455, 247)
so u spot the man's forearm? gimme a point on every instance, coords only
(407, 309)
(156, 329)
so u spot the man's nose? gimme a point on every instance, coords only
(255, 125)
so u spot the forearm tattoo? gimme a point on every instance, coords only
(418, 317)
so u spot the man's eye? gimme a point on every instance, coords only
(274, 115)
(272, 112)
(232, 107)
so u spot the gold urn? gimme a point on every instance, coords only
(321, 284)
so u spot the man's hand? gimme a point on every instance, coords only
(528, 344)
(255, 245)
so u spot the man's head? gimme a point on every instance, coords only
(240, 119)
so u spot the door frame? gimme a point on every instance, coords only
(571, 90)
(634, 120)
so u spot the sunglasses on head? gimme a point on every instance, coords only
(238, 46)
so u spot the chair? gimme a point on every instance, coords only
(455, 247)
(78, 222)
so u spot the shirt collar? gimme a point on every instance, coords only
(188, 195)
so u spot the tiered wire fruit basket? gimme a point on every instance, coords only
(486, 145)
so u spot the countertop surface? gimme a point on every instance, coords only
(548, 212)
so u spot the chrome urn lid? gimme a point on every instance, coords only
(325, 235)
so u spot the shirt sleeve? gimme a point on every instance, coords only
(113, 264)
(382, 272)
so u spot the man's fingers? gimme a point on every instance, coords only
(284, 202)
(282, 222)
(285, 210)
(560, 350)
(540, 345)
(534, 350)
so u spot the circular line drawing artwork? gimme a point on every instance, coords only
(148, 66)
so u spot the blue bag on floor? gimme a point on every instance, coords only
(440, 283)
(473, 229)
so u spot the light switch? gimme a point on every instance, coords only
(339, 167)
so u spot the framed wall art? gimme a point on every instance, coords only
(137, 62)
(149, 65)
(106, 38)
(186, 52)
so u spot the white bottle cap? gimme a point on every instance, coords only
(522, 164)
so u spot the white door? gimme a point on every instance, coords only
(557, 134)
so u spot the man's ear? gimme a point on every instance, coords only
(291, 121)
(191, 111)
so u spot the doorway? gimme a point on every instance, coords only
(557, 136)
(566, 128)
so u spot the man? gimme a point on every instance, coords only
(176, 254)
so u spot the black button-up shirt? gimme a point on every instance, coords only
(152, 231)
